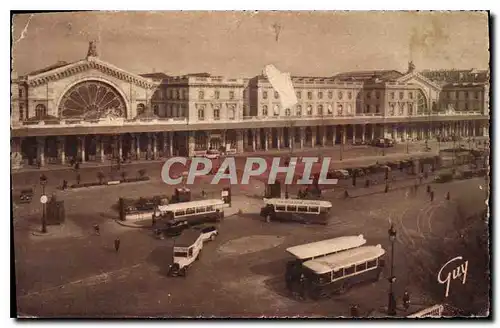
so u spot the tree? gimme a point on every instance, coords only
(100, 176)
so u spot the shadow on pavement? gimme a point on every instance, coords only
(161, 257)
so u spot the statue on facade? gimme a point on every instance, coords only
(16, 160)
(411, 67)
(92, 49)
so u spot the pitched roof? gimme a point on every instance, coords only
(50, 67)
(385, 75)
(155, 75)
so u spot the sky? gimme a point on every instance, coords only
(240, 44)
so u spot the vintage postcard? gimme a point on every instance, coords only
(251, 164)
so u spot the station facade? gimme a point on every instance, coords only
(91, 110)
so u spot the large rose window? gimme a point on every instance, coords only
(92, 100)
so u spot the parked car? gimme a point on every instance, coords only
(358, 142)
(212, 154)
(207, 232)
(26, 196)
(338, 174)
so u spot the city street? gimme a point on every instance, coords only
(75, 273)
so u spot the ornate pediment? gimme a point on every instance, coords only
(418, 79)
(91, 63)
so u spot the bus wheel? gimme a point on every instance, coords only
(212, 237)
(268, 218)
(183, 272)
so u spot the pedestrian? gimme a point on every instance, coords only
(428, 189)
(65, 185)
(153, 219)
(420, 178)
(406, 300)
(346, 194)
(97, 229)
(117, 244)
(432, 196)
(386, 190)
(448, 195)
(367, 183)
(302, 287)
(415, 188)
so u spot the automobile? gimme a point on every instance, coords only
(207, 232)
(338, 174)
(212, 154)
(358, 142)
(358, 171)
(383, 142)
(389, 142)
(186, 249)
(26, 196)
(172, 228)
(444, 177)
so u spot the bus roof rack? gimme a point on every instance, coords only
(324, 247)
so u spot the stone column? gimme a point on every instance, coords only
(257, 138)
(334, 135)
(323, 136)
(16, 157)
(363, 136)
(149, 146)
(474, 129)
(171, 144)
(485, 130)
(40, 150)
(191, 143)
(155, 146)
(239, 141)
(120, 147)
(266, 139)
(314, 136)
(138, 146)
(344, 134)
(302, 135)
(208, 136)
(394, 132)
(254, 137)
(82, 141)
(384, 130)
(373, 131)
(291, 137)
(61, 149)
(353, 133)
(101, 148)
(224, 139)
(278, 138)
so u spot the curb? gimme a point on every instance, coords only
(131, 225)
(41, 234)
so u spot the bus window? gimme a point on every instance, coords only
(190, 252)
(280, 207)
(200, 210)
(360, 267)
(180, 254)
(337, 275)
(301, 208)
(313, 209)
(291, 208)
(190, 211)
(371, 264)
(349, 270)
(210, 208)
(179, 213)
(324, 209)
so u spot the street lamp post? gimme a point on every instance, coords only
(341, 144)
(391, 308)
(43, 200)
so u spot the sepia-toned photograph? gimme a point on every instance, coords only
(250, 164)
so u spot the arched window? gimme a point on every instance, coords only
(276, 110)
(21, 112)
(276, 95)
(391, 112)
(141, 109)
(340, 95)
(299, 110)
(287, 112)
(264, 110)
(201, 113)
(320, 109)
(40, 111)
(201, 95)
(421, 102)
(216, 113)
(349, 95)
(330, 109)
(349, 109)
(340, 110)
(155, 109)
(231, 113)
(309, 110)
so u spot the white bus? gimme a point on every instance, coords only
(315, 250)
(195, 212)
(299, 210)
(338, 272)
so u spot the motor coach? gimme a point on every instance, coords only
(316, 250)
(337, 273)
(298, 210)
(187, 249)
(194, 212)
